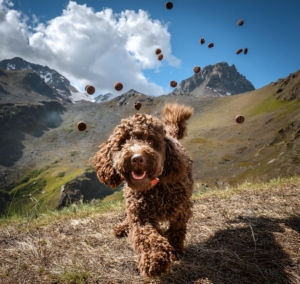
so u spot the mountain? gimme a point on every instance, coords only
(78, 96)
(213, 81)
(42, 148)
(106, 97)
(26, 86)
(216, 81)
(55, 80)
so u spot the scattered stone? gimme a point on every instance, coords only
(118, 86)
(81, 126)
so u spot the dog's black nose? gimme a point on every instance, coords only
(137, 160)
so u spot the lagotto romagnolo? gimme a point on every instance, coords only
(145, 153)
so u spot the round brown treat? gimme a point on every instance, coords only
(90, 90)
(197, 69)
(137, 105)
(202, 40)
(160, 56)
(246, 50)
(173, 84)
(239, 119)
(210, 45)
(169, 5)
(240, 22)
(81, 126)
(239, 51)
(118, 86)
(158, 51)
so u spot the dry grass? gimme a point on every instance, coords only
(248, 234)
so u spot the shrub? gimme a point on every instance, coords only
(61, 174)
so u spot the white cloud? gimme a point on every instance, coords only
(90, 47)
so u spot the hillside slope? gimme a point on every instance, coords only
(249, 234)
(265, 146)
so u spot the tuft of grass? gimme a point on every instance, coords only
(74, 275)
(61, 174)
(245, 186)
(73, 153)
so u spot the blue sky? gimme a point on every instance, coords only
(270, 32)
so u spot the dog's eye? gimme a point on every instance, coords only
(149, 141)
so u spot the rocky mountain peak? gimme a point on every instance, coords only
(215, 80)
(50, 76)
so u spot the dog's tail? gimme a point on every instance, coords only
(175, 116)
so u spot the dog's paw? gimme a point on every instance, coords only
(121, 231)
(156, 262)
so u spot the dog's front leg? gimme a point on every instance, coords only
(154, 251)
(121, 230)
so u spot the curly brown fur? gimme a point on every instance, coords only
(175, 117)
(141, 150)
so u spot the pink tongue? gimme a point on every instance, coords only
(154, 182)
(136, 176)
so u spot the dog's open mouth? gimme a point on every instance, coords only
(138, 175)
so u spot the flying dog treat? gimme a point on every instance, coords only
(118, 86)
(246, 50)
(202, 40)
(239, 118)
(90, 90)
(137, 105)
(169, 5)
(160, 56)
(197, 69)
(81, 126)
(158, 51)
(210, 45)
(240, 22)
(239, 51)
(173, 84)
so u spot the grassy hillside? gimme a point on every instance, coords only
(245, 234)
(265, 146)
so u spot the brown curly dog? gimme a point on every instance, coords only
(145, 153)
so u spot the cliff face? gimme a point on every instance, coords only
(86, 187)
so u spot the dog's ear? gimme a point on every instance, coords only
(103, 165)
(174, 165)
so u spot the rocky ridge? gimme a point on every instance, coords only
(51, 77)
(216, 81)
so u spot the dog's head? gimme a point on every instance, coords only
(140, 152)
